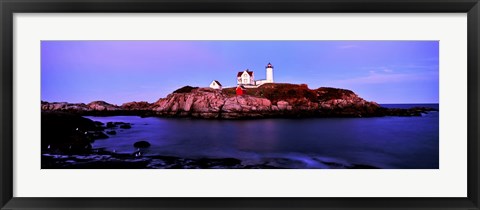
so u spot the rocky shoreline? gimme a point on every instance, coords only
(107, 160)
(267, 101)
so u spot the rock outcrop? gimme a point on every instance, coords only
(141, 105)
(92, 106)
(54, 106)
(102, 106)
(209, 103)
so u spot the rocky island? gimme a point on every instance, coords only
(266, 101)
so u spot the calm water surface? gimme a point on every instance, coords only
(386, 142)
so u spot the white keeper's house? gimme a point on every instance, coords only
(247, 78)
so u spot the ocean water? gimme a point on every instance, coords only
(406, 106)
(384, 142)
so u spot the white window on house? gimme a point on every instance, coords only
(245, 81)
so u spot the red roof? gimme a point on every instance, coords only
(241, 72)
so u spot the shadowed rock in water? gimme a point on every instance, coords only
(141, 144)
(125, 126)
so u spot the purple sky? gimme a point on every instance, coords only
(124, 71)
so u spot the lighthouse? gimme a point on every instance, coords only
(269, 69)
(246, 78)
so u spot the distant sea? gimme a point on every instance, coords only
(406, 106)
(384, 142)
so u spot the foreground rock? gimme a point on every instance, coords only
(107, 160)
(68, 133)
(141, 144)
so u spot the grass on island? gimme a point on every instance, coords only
(284, 91)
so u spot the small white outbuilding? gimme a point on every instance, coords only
(216, 85)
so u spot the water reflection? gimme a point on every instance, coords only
(388, 142)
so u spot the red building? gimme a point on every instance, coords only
(239, 90)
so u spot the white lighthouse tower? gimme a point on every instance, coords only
(269, 69)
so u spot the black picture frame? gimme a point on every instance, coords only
(10, 7)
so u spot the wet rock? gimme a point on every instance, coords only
(142, 144)
(137, 154)
(111, 125)
(98, 124)
(111, 132)
(125, 126)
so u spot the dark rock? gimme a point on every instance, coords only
(141, 144)
(121, 124)
(98, 123)
(111, 125)
(111, 132)
(97, 135)
(137, 153)
(125, 126)
(65, 133)
(415, 111)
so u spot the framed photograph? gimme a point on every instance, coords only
(239, 105)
